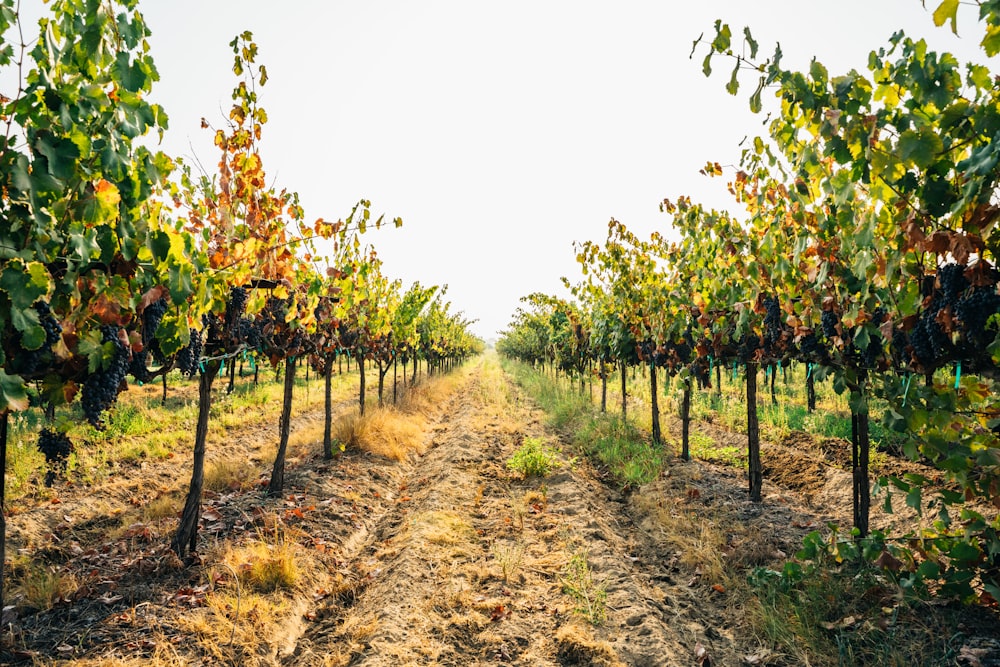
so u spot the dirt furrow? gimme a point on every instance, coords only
(474, 565)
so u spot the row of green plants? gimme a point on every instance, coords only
(864, 248)
(120, 262)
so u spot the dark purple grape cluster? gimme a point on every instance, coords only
(829, 321)
(235, 308)
(975, 309)
(951, 282)
(101, 388)
(30, 362)
(251, 332)
(189, 358)
(772, 321)
(152, 315)
(56, 447)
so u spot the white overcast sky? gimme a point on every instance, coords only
(500, 132)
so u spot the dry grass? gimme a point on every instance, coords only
(265, 567)
(577, 646)
(443, 529)
(383, 431)
(41, 587)
(227, 475)
(164, 506)
(236, 628)
(400, 431)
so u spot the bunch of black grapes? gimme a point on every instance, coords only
(829, 321)
(974, 310)
(189, 357)
(151, 317)
(56, 447)
(772, 322)
(101, 388)
(30, 362)
(928, 340)
(235, 308)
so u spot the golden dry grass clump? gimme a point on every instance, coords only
(398, 431)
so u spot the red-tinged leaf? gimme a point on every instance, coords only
(499, 613)
(151, 296)
(718, 588)
(887, 561)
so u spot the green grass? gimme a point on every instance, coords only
(619, 446)
(534, 458)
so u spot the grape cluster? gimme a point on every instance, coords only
(189, 358)
(772, 322)
(251, 332)
(101, 388)
(829, 320)
(56, 447)
(235, 308)
(31, 362)
(152, 315)
(974, 310)
(952, 282)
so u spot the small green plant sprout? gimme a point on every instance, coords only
(534, 458)
(578, 583)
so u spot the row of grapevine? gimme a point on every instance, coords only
(117, 260)
(866, 247)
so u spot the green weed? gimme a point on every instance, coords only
(534, 458)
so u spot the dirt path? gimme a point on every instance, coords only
(472, 565)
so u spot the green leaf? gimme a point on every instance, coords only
(734, 82)
(13, 395)
(723, 37)
(61, 153)
(24, 283)
(991, 42)
(919, 148)
(913, 499)
(159, 243)
(947, 11)
(751, 41)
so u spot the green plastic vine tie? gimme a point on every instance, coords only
(906, 388)
(222, 367)
(809, 370)
(958, 374)
(140, 383)
(734, 371)
(201, 367)
(711, 365)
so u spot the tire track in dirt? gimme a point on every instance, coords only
(470, 565)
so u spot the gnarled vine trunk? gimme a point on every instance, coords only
(686, 421)
(277, 484)
(328, 409)
(624, 393)
(753, 435)
(361, 389)
(4, 418)
(654, 406)
(186, 538)
(860, 441)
